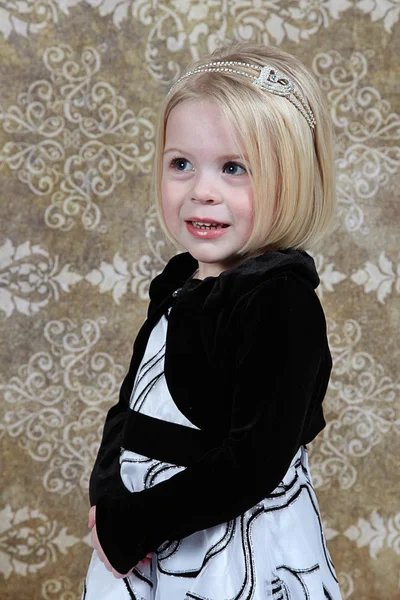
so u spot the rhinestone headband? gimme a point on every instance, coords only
(269, 79)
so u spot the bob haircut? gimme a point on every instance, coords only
(291, 167)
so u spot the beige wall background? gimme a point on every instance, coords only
(81, 81)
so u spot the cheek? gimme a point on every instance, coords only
(169, 190)
(165, 194)
(245, 211)
(169, 202)
(249, 221)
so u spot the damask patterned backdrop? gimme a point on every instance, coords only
(80, 84)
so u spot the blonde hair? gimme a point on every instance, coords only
(291, 167)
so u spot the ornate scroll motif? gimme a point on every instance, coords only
(376, 533)
(61, 589)
(361, 406)
(367, 131)
(57, 402)
(197, 27)
(32, 16)
(379, 278)
(29, 540)
(80, 139)
(271, 22)
(118, 277)
(346, 583)
(30, 278)
(275, 22)
(329, 277)
(387, 11)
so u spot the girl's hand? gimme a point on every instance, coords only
(100, 553)
(92, 517)
(96, 545)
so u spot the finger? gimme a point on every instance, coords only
(93, 540)
(102, 557)
(96, 543)
(146, 560)
(100, 552)
(92, 517)
(104, 560)
(98, 548)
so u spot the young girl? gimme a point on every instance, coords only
(201, 488)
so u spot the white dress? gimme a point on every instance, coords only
(276, 550)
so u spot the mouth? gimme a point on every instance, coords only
(208, 224)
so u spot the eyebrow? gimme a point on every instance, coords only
(224, 156)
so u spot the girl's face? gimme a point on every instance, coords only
(204, 181)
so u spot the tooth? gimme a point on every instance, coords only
(201, 225)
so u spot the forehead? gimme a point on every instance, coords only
(200, 124)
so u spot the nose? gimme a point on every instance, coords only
(205, 190)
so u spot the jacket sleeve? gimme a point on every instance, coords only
(280, 374)
(103, 476)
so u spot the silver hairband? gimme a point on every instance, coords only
(269, 79)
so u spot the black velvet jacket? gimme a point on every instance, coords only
(247, 361)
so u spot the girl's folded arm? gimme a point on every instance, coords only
(281, 372)
(104, 476)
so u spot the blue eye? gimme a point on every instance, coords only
(234, 165)
(179, 164)
(176, 163)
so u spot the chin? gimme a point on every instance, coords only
(207, 254)
(210, 259)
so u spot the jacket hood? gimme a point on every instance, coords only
(250, 273)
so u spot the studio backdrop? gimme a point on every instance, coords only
(80, 85)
